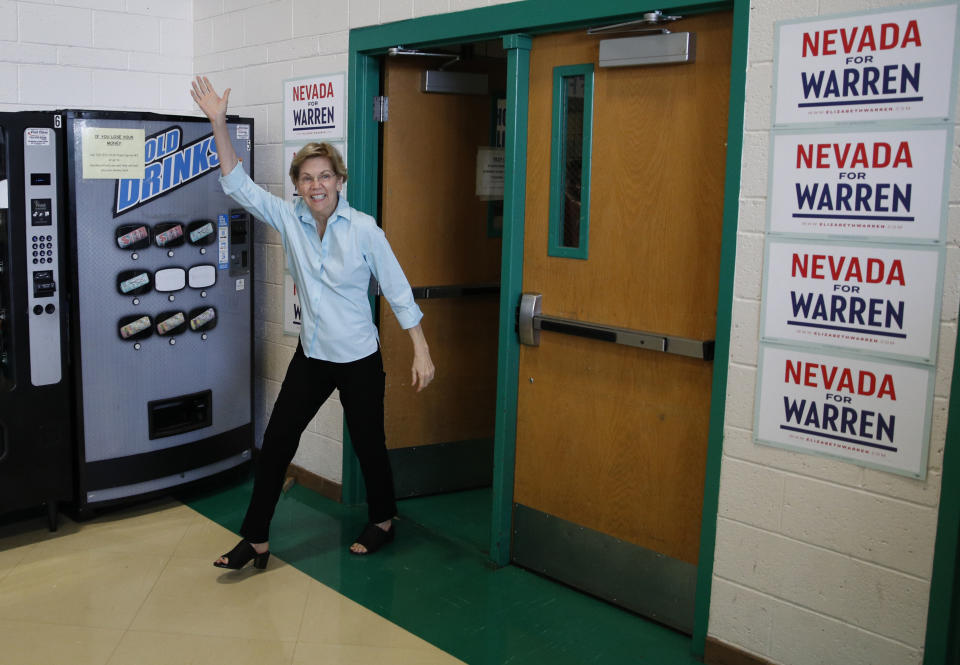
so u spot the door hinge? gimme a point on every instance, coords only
(380, 108)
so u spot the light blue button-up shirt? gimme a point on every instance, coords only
(333, 273)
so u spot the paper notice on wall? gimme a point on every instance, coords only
(113, 153)
(490, 174)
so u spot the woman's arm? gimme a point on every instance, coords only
(215, 108)
(423, 369)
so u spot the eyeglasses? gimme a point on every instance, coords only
(307, 179)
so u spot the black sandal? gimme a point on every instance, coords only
(373, 538)
(240, 555)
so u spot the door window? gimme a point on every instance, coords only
(570, 160)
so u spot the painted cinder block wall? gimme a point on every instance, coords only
(103, 54)
(817, 561)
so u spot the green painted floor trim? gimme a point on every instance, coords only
(444, 590)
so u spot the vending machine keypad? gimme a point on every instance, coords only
(42, 226)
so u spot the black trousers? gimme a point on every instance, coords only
(307, 385)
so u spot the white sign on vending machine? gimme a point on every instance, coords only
(866, 411)
(879, 299)
(890, 65)
(881, 185)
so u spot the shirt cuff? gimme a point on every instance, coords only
(409, 316)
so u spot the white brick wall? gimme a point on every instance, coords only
(116, 54)
(817, 561)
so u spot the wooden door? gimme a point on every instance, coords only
(612, 439)
(442, 438)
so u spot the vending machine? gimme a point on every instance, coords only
(36, 445)
(150, 267)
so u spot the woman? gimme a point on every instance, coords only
(332, 250)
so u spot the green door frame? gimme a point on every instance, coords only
(942, 644)
(515, 22)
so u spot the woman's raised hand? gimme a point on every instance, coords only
(213, 105)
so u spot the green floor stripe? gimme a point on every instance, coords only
(442, 589)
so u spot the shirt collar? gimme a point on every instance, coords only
(303, 211)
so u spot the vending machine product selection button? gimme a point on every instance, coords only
(170, 279)
(133, 282)
(202, 276)
(168, 234)
(171, 323)
(203, 319)
(201, 232)
(132, 236)
(135, 327)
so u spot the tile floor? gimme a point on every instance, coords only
(135, 587)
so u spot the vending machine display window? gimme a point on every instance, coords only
(168, 234)
(171, 323)
(170, 279)
(202, 276)
(202, 232)
(134, 282)
(135, 327)
(132, 236)
(203, 319)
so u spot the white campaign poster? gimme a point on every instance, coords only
(878, 299)
(291, 306)
(881, 185)
(888, 65)
(313, 108)
(866, 411)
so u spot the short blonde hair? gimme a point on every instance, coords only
(312, 150)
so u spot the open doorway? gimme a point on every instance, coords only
(444, 124)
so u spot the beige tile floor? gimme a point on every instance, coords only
(137, 588)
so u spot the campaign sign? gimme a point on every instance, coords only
(313, 108)
(882, 300)
(291, 306)
(887, 65)
(870, 412)
(880, 185)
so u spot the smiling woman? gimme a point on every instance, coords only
(332, 251)
(318, 173)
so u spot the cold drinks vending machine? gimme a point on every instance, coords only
(156, 266)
